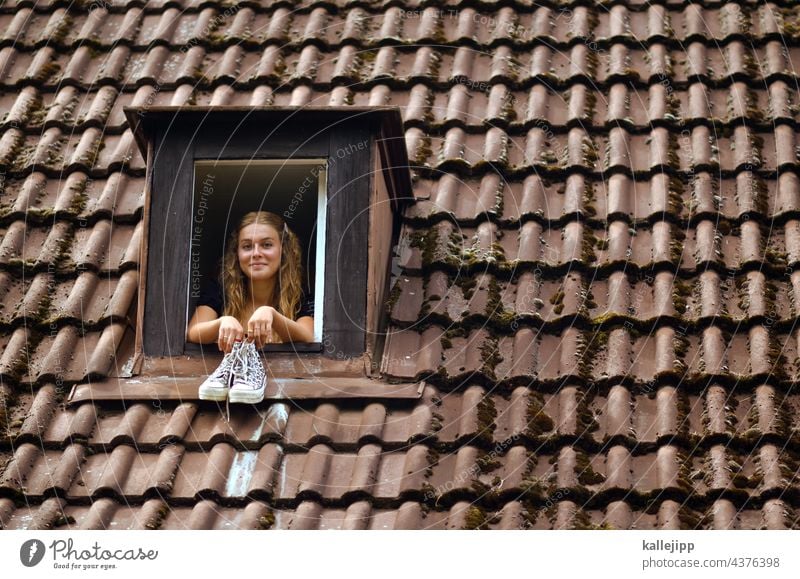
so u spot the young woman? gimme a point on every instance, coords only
(263, 299)
(261, 275)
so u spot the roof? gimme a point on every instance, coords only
(597, 280)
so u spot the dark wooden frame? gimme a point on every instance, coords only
(178, 136)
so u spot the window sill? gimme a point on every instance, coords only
(192, 348)
(184, 389)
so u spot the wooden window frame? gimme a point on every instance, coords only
(173, 138)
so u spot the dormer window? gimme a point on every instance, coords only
(338, 177)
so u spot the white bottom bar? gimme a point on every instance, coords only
(352, 554)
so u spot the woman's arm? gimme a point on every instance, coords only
(267, 318)
(300, 330)
(206, 328)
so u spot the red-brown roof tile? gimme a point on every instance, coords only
(597, 280)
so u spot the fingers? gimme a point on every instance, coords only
(259, 326)
(224, 343)
(237, 336)
(252, 330)
(261, 332)
(227, 337)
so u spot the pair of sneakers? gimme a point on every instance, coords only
(239, 378)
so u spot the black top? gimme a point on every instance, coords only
(211, 296)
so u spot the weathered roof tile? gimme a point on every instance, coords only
(597, 277)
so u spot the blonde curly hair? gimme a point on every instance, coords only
(289, 283)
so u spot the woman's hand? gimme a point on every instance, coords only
(259, 327)
(230, 331)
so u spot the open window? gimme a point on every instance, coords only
(225, 190)
(340, 177)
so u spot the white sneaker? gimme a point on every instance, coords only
(217, 385)
(249, 377)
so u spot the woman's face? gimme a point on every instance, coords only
(259, 251)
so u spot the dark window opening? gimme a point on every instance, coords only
(225, 190)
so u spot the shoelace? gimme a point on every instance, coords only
(238, 347)
(242, 356)
(223, 368)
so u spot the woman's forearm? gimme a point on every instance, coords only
(290, 330)
(204, 332)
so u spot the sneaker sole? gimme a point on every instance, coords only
(216, 394)
(251, 397)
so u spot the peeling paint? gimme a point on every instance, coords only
(241, 473)
(127, 369)
(25, 522)
(257, 434)
(279, 413)
(282, 470)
